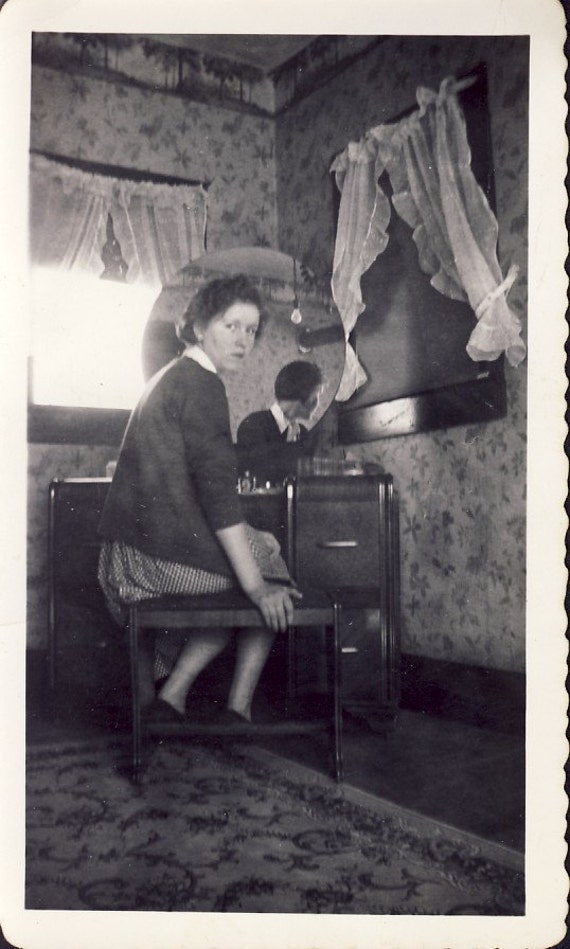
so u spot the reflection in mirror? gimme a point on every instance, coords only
(289, 293)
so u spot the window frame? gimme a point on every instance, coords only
(77, 425)
(68, 425)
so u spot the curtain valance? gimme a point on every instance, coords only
(160, 227)
(427, 156)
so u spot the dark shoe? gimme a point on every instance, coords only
(230, 723)
(160, 712)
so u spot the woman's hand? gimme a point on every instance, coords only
(273, 600)
(276, 604)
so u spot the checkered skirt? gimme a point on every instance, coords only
(128, 575)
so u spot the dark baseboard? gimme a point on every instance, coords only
(92, 697)
(36, 683)
(488, 698)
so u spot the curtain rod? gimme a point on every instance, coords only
(118, 171)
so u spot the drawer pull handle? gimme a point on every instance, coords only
(349, 649)
(333, 544)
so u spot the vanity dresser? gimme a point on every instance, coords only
(339, 532)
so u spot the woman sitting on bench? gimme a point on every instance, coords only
(172, 522)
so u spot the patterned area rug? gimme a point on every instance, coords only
(214, 828)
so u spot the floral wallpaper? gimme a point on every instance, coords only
(158, 65)
(154, 63)
(462, 490)
(112, 123)
(100, 121)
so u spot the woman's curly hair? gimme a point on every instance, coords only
(213, 299)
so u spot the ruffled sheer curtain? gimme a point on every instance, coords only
(160, 227)
(364, 214)
(428, 159)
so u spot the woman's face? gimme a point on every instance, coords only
(228, 339)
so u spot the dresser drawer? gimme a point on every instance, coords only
(343, 537)
(337, 544)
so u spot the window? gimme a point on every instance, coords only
(103, 241)
(85, 356)
(429, 271)
(86, 340)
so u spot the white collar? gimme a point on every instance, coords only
(280, 418)
(291, 426)
(198, 355)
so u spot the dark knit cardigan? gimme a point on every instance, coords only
(176, 477)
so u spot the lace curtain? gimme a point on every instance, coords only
(160, 227)
(428, 160)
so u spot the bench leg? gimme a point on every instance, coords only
(291, 684)
(337, 694)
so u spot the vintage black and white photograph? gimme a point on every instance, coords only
(280, 600)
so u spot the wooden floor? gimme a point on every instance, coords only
(468, 777)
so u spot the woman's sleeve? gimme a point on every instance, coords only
(211, 455)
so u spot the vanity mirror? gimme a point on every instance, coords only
(303, 323)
